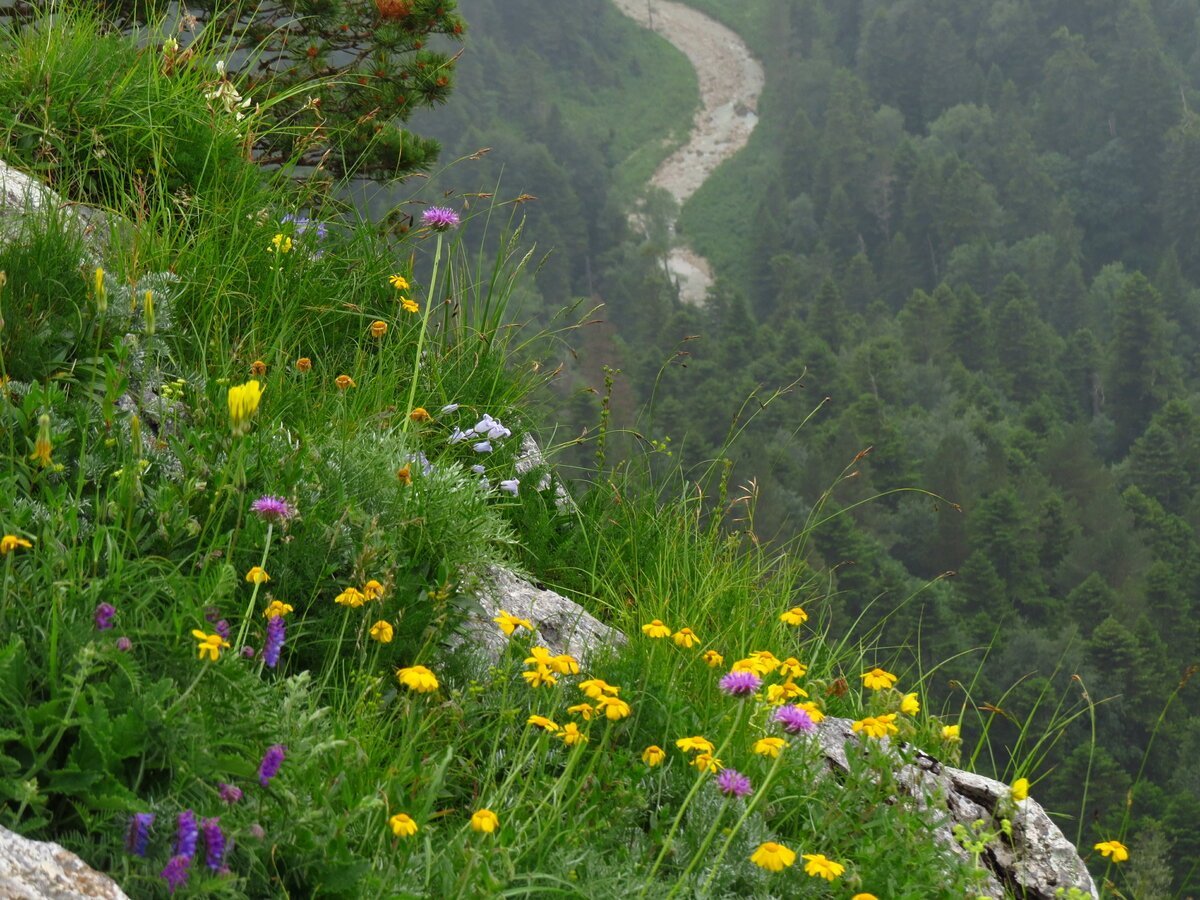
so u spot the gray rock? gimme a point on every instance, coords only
(530, 457)
(1039, 860)
(22, 195)
(34, 870)
(562, 626)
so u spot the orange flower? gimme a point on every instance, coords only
(304, 364)
(404, 473)
(344, 381)
(420, 414)
(378, 328)
(258, 367)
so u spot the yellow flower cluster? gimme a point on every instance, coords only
(545, 667)
(776, 857)
(509, 623)
(354, 597)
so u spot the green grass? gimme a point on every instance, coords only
(149, 511)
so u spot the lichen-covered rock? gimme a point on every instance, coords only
(562, 626)
(34, 870)
(1038, 861)
(22, 195)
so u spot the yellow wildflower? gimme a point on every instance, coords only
(344, 381)
(1117, 851)
(706, 762)
(656, 629)
(597, 687)
(818, 866)
(210, 645)
(653, 755)
(773, 857)
(713, 658)
(694, 744)
(418, 679)
(257, 575)
(877, 679)
(877, 726)
(277, 608)
(509, 623)
(793, 668)
(585, 711)
(11, 542)
(42, 446)
(243, 401)
(304, 364)
(910, 705)
(403, 825)
(484, 821)
(542, 722)
(539, 656)
(614, 707)
(1020, 789)
(571, 735)
(755, 664)
(782, 693)
(399, 282)
(351, 596)
(409, 305)
(813, 710)
(372, 590)
(951, 733)
(382, 631)
(378, 328)
(539, 676)
(864, 897)
(420, 414)
(794, 616)
(769, 746)
(281, 243)
(685, 638)
(565, 664)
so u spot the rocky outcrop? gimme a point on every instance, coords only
(34, 870)
(22, 195)
(1035, 864)
(561, 625)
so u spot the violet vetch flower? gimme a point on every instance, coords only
(272, 509)
(482, 447)
(230, 793)
(214, 844)
(248, 652)
(104, 616)
(257, 832)
(222, 628)
(271, 761)
(185, 836)
(137, 835)
(276, 631)
(511, 485)
(733, 783)
(124, 644)
(794, 719)
(740, 684)
(211, 614)
(176, 872)
(440, 218)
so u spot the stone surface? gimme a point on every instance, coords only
(34, 870)
(530, 457)
(562, 626)
(22, 195)
(1037, 862)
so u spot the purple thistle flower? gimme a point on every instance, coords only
(214, 844)
(740, 684)
(511, 485)
(222, 628)
(185, 836)
(124, 644)
(276, 632)
(794, 719)
(733, 783)
(272, 509)
(440, 218)
(176, 872)
(137, 835)
(271, 762)
(104, 616)
(230, 793)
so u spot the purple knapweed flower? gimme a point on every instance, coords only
(794, 719)
(124, 644)
(214, 844)
(248, 652)
(276, 631)
(482, 447)
(440, 218)
(733, 783)
(271, 761)
(186, 834)
(137, 835)
(272, 509)
(511, 485)
(740, 684)
(176, 872)
(104, 616)
(230, 793)
(221, 627)
(257, 832)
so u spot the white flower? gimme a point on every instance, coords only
(482, 447)
(511, 485)
(448, 408)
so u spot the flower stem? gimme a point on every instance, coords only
(242, 632)
(412, 388)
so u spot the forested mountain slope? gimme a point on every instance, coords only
(972, 227)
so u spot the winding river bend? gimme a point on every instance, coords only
(731, 80)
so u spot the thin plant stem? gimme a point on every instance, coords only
(412, 388)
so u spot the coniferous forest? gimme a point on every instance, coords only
(966, 237)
